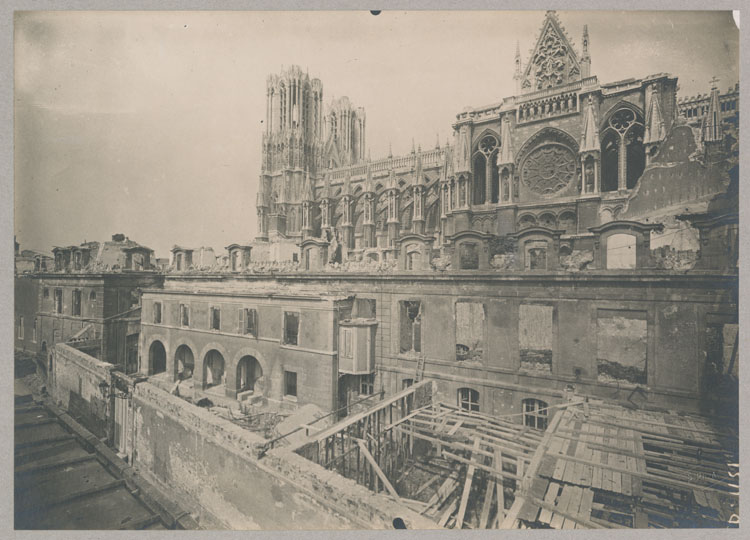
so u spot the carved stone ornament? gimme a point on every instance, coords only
(549, 169)
(549, 62)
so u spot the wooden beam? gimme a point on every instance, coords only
(376, 468)
(467, 489)
(487, 468)
(488, 494)
(447, 514)
(499, 488)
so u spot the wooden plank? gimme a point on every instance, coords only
(467, 490)
(545, 515)
(587, 499)
(448, 512)
(487, 504)
(443, 491)
(453, 430)
(499, 489)
(426, 485)
(376, 468)
(559, 469)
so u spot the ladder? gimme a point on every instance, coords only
(420, 368)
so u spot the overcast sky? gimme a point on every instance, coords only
(149, 123)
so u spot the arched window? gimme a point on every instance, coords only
(248, 372)
(92, 296)
(534, 413)
(485, 170)
(480, 177)
(623, 133)
(636, 155)
(184, 362)
(468, 399)
(157, 358)
(610, 163)
(213, 368)
(413, 257)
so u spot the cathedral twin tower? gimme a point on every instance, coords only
(301, 140)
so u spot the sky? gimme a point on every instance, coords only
(149, 123)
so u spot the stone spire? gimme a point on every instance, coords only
(517, 74)
(590, 137)
(505, 155)
(585, 56)
(711, 129)
(655, 131)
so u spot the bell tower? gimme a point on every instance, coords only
(291, 149)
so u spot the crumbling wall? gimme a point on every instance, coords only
(535, 337)
(622, 341)
(75, 386)
(212, 467)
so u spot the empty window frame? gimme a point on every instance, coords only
(534, 413)
(406, 383)
(20, 327)
(468, 399)
(77, 302)
(58, 301)
(215, 318)
(411, 326)
(92, 296)
(468, 256)
(157, 312)
(185, 315)
(46, 293)
(248, 321)
(290, 383)
(470, 331)
(291, 328)
(33, 330)
(367, 384)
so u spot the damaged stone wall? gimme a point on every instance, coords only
(536, 337)
(212, 467)
(74, 386)
(621, 346)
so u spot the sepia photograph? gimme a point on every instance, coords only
(375, 270)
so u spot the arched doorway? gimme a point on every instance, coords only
(184, 362)
(248, 372)
(213, 368)
(157, 358)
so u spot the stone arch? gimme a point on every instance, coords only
(485, 132)
(183, 364)
(262, 385)
(547, 220)
(527, 220)
(622, 104)
(147, 341)
(568, 221)
(157, 357)
(544, 135)
(199, 371)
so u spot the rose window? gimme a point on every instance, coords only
(549, 169)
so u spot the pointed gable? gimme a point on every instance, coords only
(590, 137)
(553, 61)
(655, 130)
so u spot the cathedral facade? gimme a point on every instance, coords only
(565, 154)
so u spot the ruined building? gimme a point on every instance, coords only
(577, 235)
